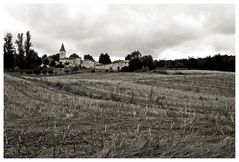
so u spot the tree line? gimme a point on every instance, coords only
(216, 62)
(23, 56)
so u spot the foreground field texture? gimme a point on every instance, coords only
(120, 115)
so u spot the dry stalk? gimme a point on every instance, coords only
(172, 124)
(134, 113)
(102, 141)
(74, 149)
(146, 110)
(222, 132)
(132, 97)
(150, 98)
(138, 128)
(68, 129)
(64, 134)
(217, 126)
(92, 145)
(105, 128)
(117, 88)
(150, 132)
(185, 125)
(54, 151)
(232, 119)
(6, 138)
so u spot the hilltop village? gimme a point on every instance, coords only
(89, 63)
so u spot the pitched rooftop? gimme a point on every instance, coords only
(62, 48)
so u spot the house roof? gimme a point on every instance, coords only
(62, 48)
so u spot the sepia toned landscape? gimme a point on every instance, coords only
(119, 81)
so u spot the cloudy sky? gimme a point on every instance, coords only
(164, 31)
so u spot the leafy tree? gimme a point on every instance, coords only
(44, 56)
(192, 63)
(179, 65)
(147, 61)
(50, 71)
(125, 69)
(104, 58)
(135, 64)
(8, 49)
(52, 63)
(74, 55)
(155, 63)
(59, 65)
(161, 63)
(55, 57)
(133, 55)
(34, 60)
(230, 63)
(37, 70)
(218, 62)
(20, 49)
(27, 46)
(28, 43)
(44, 69)
(45, 61)
(38, 61)
(88, 57)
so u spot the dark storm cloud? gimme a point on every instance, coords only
(120, 29)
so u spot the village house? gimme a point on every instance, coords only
(115, 66)
(68, 62)
(90, 64)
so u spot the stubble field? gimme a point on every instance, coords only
(188, 114)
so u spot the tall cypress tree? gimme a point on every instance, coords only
(8, 49)
(20, 49)
(27, 47)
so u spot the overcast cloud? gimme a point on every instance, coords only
(164, 31)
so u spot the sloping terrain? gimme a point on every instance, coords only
(120, 115)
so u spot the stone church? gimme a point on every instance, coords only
(68, 61)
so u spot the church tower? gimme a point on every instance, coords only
(62, 51)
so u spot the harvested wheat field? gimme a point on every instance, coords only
(181, 114)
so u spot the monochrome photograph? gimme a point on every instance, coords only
(118, 80)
